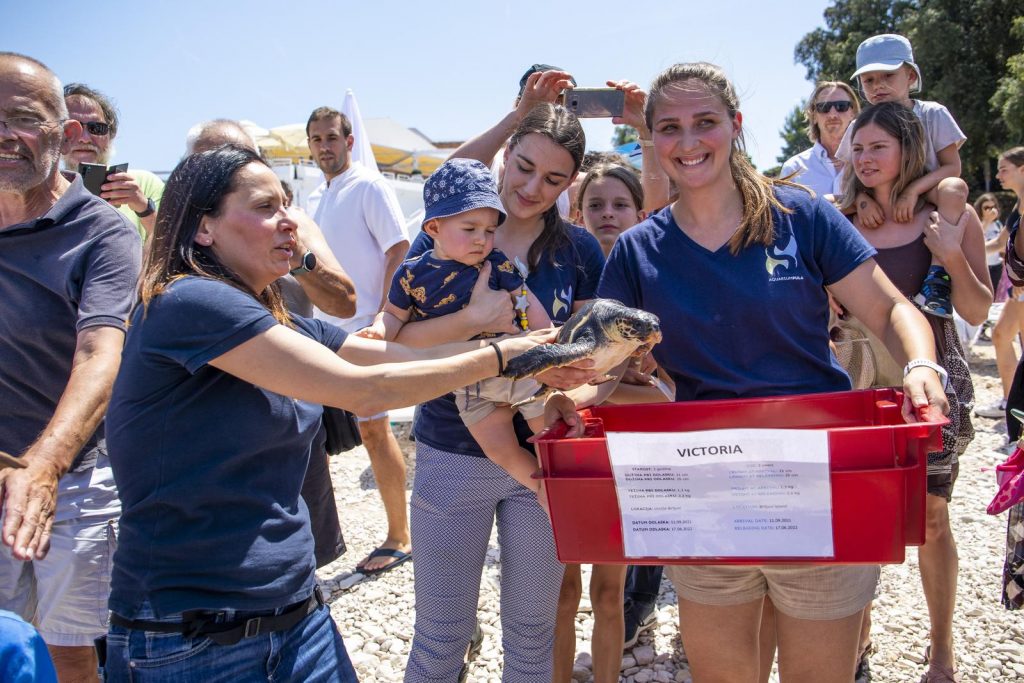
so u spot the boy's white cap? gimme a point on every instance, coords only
(886, 52)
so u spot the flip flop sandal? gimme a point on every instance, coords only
(399, 555)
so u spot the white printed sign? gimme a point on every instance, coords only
(724, 493)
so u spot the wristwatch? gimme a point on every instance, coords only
(148, 211)
(308, 264)
(939, 370)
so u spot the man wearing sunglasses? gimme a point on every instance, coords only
(830, 110)
(136, 193)
(68, 267)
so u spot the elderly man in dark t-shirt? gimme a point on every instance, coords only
(68, 268)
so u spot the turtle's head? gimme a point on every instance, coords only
(640, 326)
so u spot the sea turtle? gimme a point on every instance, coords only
(604, 330)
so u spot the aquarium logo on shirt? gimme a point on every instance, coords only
(781, 264)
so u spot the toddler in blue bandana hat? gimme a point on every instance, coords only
(463, 211)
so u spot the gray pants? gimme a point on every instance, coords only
(455, 501)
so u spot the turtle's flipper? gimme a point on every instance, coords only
(545, 357)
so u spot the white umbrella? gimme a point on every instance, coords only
(361, 149)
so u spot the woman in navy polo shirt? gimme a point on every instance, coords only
(209, 431)
(458, 492)
(737, 270)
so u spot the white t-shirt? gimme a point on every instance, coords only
(940, 131)
(813, 168)
(361, 219)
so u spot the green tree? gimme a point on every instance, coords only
(962, 47)
(624, 134)
(794, 134)
(830, 53)
(1009, 97)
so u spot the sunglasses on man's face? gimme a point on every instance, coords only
(96, 127)
(841, 106)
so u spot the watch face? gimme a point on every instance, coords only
(309, 261)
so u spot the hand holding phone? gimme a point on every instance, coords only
(594, 103)
(94, 175)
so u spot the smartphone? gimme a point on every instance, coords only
(94, 175)
(595, 103)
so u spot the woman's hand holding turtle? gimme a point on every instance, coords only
(569, 376)
(516, 344)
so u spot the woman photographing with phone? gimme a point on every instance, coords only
(459, 494)
(209, 431)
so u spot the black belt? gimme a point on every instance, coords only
(203, 623)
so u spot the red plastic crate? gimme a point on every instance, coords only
(877, 461)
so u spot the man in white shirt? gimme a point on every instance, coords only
(363, 223)
(830, 111)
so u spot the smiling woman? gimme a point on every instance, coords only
(740, 264)
(458, 493)
(210, 428)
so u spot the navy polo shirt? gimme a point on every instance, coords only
(73, 268)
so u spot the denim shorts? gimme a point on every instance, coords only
(312, 650)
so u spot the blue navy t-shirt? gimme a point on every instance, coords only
(432, 287)
(753, 324)
(572, 277)
(208, 466)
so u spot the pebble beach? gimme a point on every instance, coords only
(375, 615)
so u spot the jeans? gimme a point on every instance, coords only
(312, 650)
(643, 583)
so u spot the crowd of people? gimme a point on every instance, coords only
(168, 500)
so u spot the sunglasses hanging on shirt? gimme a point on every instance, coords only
(841, 106)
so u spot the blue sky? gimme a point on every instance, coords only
(450, 69)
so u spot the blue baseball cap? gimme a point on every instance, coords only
(458, 186)
(886, 52)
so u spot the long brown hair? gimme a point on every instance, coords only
(902, 124)
(197, 188)
(561, 126)
(757, 191)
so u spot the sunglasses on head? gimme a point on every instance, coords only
(96, 127)
(841, 106)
